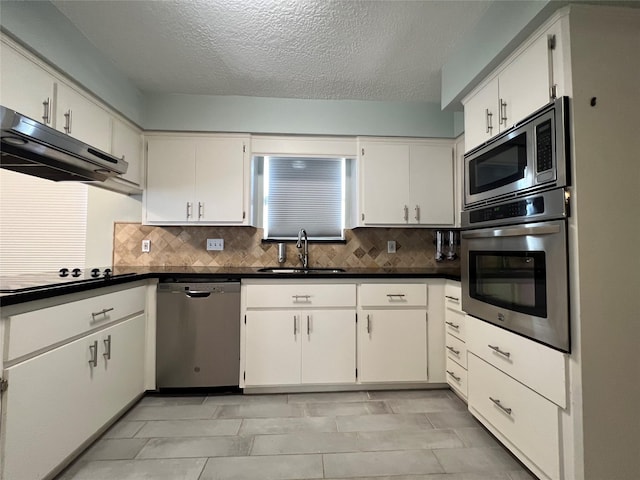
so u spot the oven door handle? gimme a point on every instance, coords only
(513, 232)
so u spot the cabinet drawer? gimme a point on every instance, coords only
(455, 324)
(456, 350)
(393, 295)
(453, 296)
(540, 368)
(300, 295)
(527, 420)
(457, 377)
(38, 329)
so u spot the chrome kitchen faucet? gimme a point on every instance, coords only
(304, 256)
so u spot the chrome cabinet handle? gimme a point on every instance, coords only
(107, 347)
(308, 325)
(392, 295)
(188, 210)
(200, 210)
(406, 213)
(513, 232)
(417, 210)
(497, 350)
(104, 312)
(296, 298)
(503, 116)
(453, 325)
(488, 115)
(93, 352)
(295, 326)
(453, 350)
(500, 406)
(453, 375)
(47, 109)
(455, 299)
(67, 122)
(368, 323)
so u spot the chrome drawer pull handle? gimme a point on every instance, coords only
(393, 295)
(93, 351)
(457, 379)
(295, 327)
(101, 312)
(453, 325)
(501, 352)
(308, 325)
(451, 349)
(500, 406)
(297, 298)
(456, 299)
(368, 324)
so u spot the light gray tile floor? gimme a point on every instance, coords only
(382, 435)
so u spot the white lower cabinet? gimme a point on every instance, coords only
(522, 419)
(308, 338)
(392, 332)
(57, 400)
(392, 346)
(455, 339)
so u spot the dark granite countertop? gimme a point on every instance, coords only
(130, 274)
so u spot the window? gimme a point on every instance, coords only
(304, 193)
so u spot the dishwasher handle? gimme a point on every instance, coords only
(197, 293)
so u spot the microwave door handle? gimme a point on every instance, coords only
(513, 232)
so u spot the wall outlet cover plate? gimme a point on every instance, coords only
(216, 244)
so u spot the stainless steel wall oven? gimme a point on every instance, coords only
(515, 266)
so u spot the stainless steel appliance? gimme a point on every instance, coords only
(30, 147)
(514, 270)
(529, 157)
(198, 334)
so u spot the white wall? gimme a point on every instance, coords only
(103, 209)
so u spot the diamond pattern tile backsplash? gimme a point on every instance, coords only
(243, 247)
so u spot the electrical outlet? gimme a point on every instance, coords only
(391, 246)
(215, 244)
(146, 246)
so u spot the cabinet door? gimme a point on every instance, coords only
(24, 86)
(272, 348)
(121, 360)
(481, 116)
(392, 346)
(127, 143)
(328, 346)
(82, 119)
(170, 180)
(49, 409)
(385, 171)
(431, 185)
(219, 187)
(524, 83)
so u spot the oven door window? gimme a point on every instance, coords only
(512, 280)
(503, 165)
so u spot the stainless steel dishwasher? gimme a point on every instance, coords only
(197, 334)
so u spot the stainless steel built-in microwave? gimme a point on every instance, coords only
(529, 157)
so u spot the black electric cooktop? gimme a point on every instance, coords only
(52, 279)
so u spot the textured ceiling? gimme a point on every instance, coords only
(317, 49)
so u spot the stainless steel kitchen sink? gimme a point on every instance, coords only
(284, 270)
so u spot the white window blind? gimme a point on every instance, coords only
(42, 224)
(304, 193)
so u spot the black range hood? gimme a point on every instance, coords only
(30, 147)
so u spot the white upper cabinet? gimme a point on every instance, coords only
(78, 116)
(25, 86)
(126, 142)
(406, 182)
(196, 179)
(525, 82)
